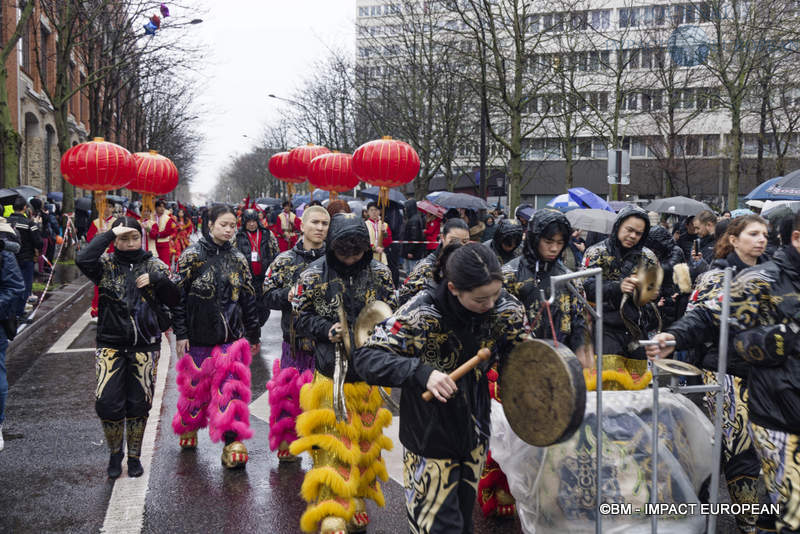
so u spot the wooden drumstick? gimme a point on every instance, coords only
(463, 369)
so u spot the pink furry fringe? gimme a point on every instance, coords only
(194, 387)
(284, 403)
(230, 392)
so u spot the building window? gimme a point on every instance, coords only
(688, 99)
(375, 11)
(630, 102)
(43, 51)
(532, 23)
(693, 145)
(601, 19)
(628, 17)
(710, 145)
(638, 147)
(599, 149)
(25, 42)
(363, 12)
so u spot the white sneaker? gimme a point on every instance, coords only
(2, 443)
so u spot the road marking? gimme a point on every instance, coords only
(125, 513)
(68, 351)
(72, 333)
(260, 407)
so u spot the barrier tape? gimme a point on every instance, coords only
(414, 242)
(67, 234)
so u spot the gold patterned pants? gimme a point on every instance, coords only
(780, 463)
(739, 458)
(440, 493)
(346, 454)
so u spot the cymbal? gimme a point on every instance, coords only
(677, 367)
(373, 313)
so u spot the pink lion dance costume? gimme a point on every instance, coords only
(284, 404)
(214, 387)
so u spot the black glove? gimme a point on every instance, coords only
(766, 346)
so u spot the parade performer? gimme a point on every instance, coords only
(99, 226)
(740, 247)
(764, 306)
(507, 240)
(135, 293)
(287, 227)
(296, 364)
(163, 231)
(185, 230)
(342, 423)
(453, 231)
(619, 256)
(445, 440)
(377, 227)
(260, 247)
(216, 313)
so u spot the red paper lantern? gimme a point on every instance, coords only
(155, 174)
(332, 172)
(279, 167)
(386, 162)
(300, 158)
(98, 165)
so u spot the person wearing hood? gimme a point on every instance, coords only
(491, 227)
(412, 231)
(333, 288)
(506, 241)
(217, 331)
(677, 284)
(619, 256)
(761, 396)
(445, 440)
(296, 364)
(260, 247)
(133, 311)
(454, 231)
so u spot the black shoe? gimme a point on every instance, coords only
(115, 465)
(135, 468)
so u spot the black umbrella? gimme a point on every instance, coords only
(7, 195)
(27, 191)
(787, 209)
(460, 201)
(372, 193)
(788, 186)
(118, 199)
(83, 203)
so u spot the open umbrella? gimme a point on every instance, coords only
(760, 192)
(27, 191)
(583, 196)
(7, 195)
(592, 220)
(617, 205)
(118, 199)
(460, 201)
(787, 188)
(371, 193)
(563, 202)
(781, 210)
(83, 203)
(677, 206)
(741, 212)
(55, 196)
(429, 207)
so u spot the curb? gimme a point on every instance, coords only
(37, 325)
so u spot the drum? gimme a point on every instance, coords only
(543, 392)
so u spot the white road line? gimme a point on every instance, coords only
(83, 349)
(125, 513)
(72, 333)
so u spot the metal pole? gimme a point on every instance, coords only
(722, 364)
(598, 332)
(654, 484)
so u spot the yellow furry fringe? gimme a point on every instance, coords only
(682, 278)
(616, 380)
(327, 476)
(310, 519)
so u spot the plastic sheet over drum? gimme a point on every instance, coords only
(555, 486)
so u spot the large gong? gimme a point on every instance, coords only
(543, 392)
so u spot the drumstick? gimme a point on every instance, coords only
(463, 369)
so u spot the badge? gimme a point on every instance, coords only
(254, 256)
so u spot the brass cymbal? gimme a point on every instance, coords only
(373, 313)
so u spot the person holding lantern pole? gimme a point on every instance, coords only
(135, 292)
(163, 230)
(380, 235)
(216, 327)
(342, 421)
(296, 365)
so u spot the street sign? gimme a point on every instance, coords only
(619, 167)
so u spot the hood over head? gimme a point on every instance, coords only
(410, 208)
(540, 221)
(624, 213)
(507, 230)
(660, 241)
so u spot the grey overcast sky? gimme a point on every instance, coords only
(257, 47)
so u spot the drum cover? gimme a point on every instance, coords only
(543, 392)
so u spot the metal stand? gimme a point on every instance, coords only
(597, 315)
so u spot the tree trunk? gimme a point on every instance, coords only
(10, 140)
(515, 163)
(736, 158)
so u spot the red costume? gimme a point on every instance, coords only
(94, 229)
(185, 230)
(163, 231)
(432, 233)
(287, 230)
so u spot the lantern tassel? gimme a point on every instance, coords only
(290, 189)
(148, 203)
(383, 197)
(100, 204)
(332, 195)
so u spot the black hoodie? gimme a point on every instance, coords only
(412, 231)
(507, 229)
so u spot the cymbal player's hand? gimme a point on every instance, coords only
(335, 333)
(441, 386)
(661, 350)
(629, 284)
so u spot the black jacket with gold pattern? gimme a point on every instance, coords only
(434, 332)
(218, 302)
(421, 277)
(326, 284)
